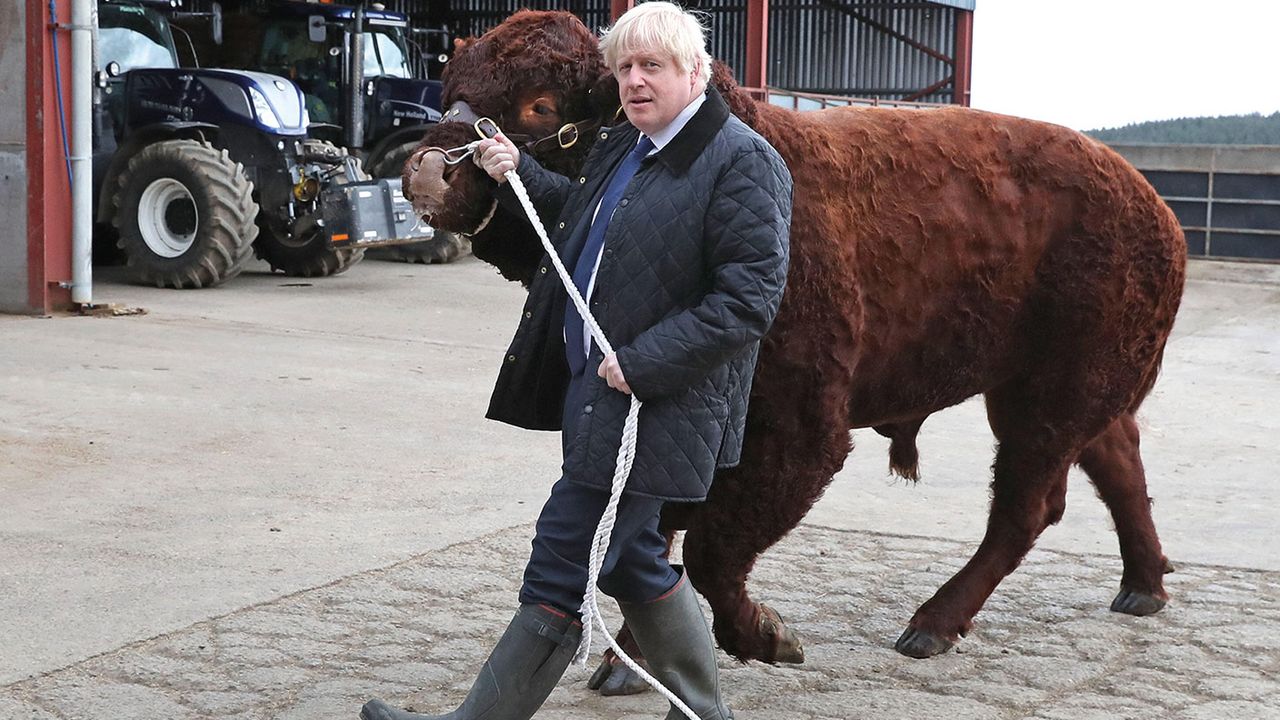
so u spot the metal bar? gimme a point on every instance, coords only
(757, 43)
(1241, 231)
(888, 31)
(617, 7)
(931, 89)
(1218, 200)
(845, 99)
(1208, 212)
(964, 58)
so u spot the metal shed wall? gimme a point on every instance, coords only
(886, 49)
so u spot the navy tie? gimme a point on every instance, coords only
(573, 338)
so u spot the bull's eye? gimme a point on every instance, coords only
(543, 109)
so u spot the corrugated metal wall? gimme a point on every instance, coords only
(887, 49)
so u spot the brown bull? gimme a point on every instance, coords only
(936, 255)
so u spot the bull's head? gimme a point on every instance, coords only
(542, 78)
(534, 74)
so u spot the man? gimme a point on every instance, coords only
(676, 233)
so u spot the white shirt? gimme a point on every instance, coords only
(660, 140)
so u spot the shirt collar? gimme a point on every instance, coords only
(668, 133)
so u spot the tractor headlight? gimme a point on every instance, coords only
(262, 109)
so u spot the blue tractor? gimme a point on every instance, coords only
(198, 169)
(363, 71)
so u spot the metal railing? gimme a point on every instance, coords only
(796, 100)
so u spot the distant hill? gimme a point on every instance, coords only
(1255, 129)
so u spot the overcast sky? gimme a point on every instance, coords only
(1088, 64)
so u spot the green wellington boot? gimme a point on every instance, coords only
(676, 641)
(520, 673)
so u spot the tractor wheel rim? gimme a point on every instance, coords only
(167, 218)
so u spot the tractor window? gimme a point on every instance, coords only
(384, 55)
(134, 37)
(288, 51)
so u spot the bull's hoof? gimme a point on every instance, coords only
(612, 679)
(1132, 602)
(785, 643)
(921, 644)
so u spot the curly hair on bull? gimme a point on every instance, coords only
(531, 49)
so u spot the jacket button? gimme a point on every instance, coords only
(561, 226)
(604, 135)
(586, 410)
(528, 314)
(511, 358)
(582, 181)
(608, 252)
(623, 203)
(543, 269)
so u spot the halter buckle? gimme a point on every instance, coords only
(486, 128)
(567, 136)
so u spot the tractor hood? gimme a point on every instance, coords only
(267, 103)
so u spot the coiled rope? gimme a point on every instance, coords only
(622, 470)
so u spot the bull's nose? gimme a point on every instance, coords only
(427, 185)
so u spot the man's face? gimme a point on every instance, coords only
(653, 89)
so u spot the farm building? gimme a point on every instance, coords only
(805, 54)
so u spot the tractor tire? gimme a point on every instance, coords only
(305, 252)
(445, 247)
(185, 213)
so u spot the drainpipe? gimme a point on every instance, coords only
(84, 18)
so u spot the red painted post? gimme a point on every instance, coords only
(757, 43)
(617, 7)
(963, 68)
(48, 191)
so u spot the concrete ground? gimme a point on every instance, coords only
(272, 499)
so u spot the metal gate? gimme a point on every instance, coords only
(1226, 197)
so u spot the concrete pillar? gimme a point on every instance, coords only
(35, 192)
(14, 291)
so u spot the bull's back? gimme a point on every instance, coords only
(933, 244)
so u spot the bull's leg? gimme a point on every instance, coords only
(612, 676)
(785, 468)
(1112, 461)
(1036, 448)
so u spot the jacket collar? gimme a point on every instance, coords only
(680, 153)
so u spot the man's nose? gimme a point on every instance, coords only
(633, 78)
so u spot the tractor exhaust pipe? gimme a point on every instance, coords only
(355, 72)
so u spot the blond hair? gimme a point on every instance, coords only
(659, 27)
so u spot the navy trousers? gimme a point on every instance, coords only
(635, 568)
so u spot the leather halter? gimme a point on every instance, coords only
(566, 137)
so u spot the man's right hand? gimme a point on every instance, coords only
(497, 156)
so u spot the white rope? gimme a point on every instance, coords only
(626, 455)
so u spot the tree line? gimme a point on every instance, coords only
(1254, 129)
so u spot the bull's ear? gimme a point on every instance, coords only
(459, 43)
(740, 103)
(604, 97)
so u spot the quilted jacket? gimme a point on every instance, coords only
(692, 273)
